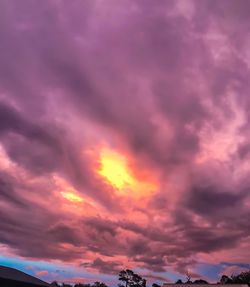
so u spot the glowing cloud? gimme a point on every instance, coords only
(115, 169)
(66, 190)
(71, 196)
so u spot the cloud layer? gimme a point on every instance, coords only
(163, 84)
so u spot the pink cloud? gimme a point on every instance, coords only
(165, 86)
(42, 273)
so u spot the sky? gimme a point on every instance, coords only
(124, 138)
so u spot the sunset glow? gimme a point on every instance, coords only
(70, 196)
(125, 138)
(115, 169)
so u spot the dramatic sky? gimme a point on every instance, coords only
(125, 138)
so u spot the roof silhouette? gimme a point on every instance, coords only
(16, 275)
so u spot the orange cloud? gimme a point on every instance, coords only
(71, 196)
(42, 273)
(115, 169)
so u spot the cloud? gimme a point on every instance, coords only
(105, 267)
(165, 85)
(42, 273)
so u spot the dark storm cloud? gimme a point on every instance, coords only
(7, 191)
(105, 267)
(209, 199)
(21, 136)
(102, 225)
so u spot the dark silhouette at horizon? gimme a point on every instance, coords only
(15, 278)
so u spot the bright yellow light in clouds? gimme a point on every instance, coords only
(114, 168)
(66, 190)
(70, 196)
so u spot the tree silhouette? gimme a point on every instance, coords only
(200, 281)
(188, 279)
(225, 280)
(99, 284)
(96, 284)
(197, 281)
(131, 279)
(242, 278)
